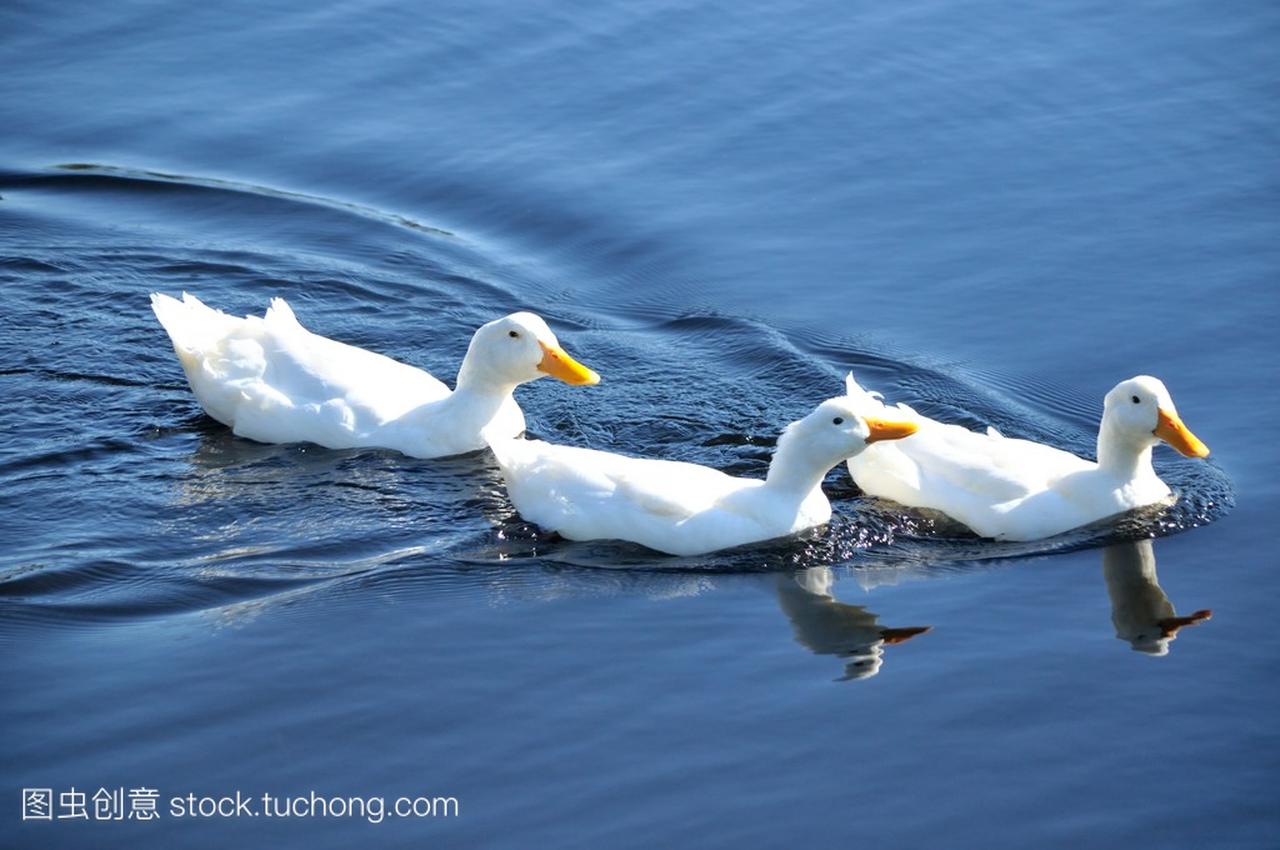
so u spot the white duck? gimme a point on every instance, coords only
(272, 380)
(1011, 489)
(682, 508)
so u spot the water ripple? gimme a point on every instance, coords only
(135, 505)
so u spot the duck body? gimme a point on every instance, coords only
(1014, 489)
(682, 508)
(270, 379)
(673, 507)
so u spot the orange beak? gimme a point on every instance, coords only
(882, 430)
(1172, 431)
(557, 363)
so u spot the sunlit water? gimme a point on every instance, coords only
(993, 213)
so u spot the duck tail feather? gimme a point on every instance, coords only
(191, 325)
(872, 403)
(281, 314)
(867, 399)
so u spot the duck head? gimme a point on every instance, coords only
(832, 433)
(1140, 412)
(835, 431)
(517, 349)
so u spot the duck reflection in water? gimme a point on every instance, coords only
(829, 627)
(1140, 610)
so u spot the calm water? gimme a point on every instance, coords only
(994, 211)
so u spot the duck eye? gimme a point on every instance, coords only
(1136, 400)
(515, 335)
(839, 420)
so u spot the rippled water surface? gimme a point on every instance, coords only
(991, 211)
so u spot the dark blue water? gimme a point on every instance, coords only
(992, 211)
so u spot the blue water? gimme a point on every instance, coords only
(992, 211)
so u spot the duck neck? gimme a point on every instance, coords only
(793, 472)
(1122, 456)
(480, 389)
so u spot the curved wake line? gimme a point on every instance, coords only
(134, 175)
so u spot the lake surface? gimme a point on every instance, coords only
(992, 211)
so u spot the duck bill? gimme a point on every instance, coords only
(1172, 431)
(557, 363)
(882, 429)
